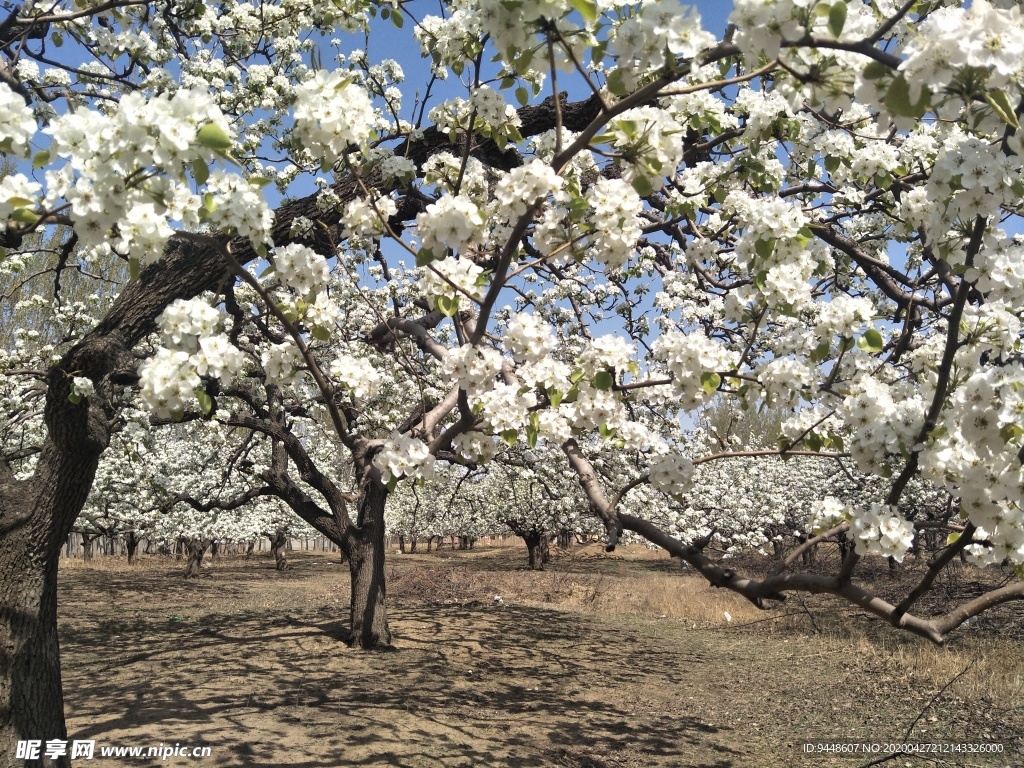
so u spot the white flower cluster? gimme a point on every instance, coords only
(827, 513)
(239, 207)
(476, 446)
(473, 369)
(404, 456)
(881, 530)
(955, 37)
(105, 187)
(281, 362)
(443, 170)
(454, 221)
(17, 125)
(439, 279)
(649, 138)
(843, 316)
(358, 374)
(785, 380)
(193, 346)
(609, 351)
(82, 387)
(664, 26)
(332, 115)
(524, 187)
(672, 474)
(363, 220)
(302, 269)
(882, 425)
(614, 214)
(528, 339)
(688, 357)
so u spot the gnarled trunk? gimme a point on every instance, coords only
(196, 549)
(87, 547)
(537, 548)
(279, 546)
(31, 701)
(131, 543)
(365, 548)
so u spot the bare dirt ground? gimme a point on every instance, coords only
(600, 662)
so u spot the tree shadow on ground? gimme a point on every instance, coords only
(509, 687)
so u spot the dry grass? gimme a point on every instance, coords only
(636, 584)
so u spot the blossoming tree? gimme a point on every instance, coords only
(816, 212)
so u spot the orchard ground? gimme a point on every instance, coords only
(602, 661)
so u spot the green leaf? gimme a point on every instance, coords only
(259, 181)
(205, 401)
(871, 341)
(424, 256)
(1011, 432)
(765, 248)
(576, 376)
(200, 171)
(837, 18)
(397, 18)
(41, 158)
(846, 344)
(24, 216)
(133, 268)
(1000, 102)
(710, 381)
(951, 539)
(643, 186)
(392, 484)
(603, 380)
(555, 396)
(74, 399)
(832, 164)
(897, 99)
(821, 352)
(448, 305)
(616, 82)
(509, 436)
(876, 70)
(586, 8)
(321, 334)
(531, 436)
(212, 136)
(522, 96)
(606, 431)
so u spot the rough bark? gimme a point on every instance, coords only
(196, 549)
(279, 546)
(36, 516)
(365, 548)
(131, 543)
(87, 547)
(537, 548)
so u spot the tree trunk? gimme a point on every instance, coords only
(31, 700)
(365, 547)
(251, 547)
(131, 542)
(277, 546)
(36, 516)
(430, 543)
(412, 545)
(537, 548)
(196, 550)
(401, 544)
(87, 547)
